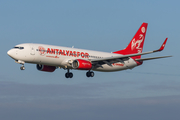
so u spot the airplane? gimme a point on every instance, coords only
(49, 57)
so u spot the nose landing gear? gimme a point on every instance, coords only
(22, 63)
(22, 67)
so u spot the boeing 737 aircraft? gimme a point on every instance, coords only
(49, 57)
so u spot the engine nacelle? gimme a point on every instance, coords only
(45, 68)
(81, 64)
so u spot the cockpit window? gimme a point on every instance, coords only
(19, 48)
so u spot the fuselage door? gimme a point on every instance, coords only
(32, 50)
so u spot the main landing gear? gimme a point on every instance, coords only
(69, 74)
(90, 74)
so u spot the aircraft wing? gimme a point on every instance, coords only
(121, 58)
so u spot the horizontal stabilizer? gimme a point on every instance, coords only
(143, 59)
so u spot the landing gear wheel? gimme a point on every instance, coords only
(22, 68)
(90, 74)
(69, 74)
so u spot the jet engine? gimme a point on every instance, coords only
(45, 68)
(81, 64)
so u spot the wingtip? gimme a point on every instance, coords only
(163, 45)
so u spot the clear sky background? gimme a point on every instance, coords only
(148, 92)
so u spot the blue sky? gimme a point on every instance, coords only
(150, 91)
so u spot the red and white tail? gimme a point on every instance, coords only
(136, 44)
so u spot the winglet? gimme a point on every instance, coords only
(162, 46)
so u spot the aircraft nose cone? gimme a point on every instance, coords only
(10, 53)
(13, 54)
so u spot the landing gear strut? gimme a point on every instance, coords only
(22, 63)
(90, 74)
(69, 74)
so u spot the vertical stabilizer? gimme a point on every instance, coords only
(136, 44)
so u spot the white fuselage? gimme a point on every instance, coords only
(63, 56)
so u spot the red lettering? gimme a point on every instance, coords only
(74, 52)
(52, 51)
(70, 54)
(57, 50)
(118, 64)
(78, 54)
(64, 52)
(82, 54)
(48, 51)
(86, 55)
(67, 52)
(60, 52)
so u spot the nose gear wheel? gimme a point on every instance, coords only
(22, 67)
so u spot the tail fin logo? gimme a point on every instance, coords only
(143, 29)
(137, 43)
